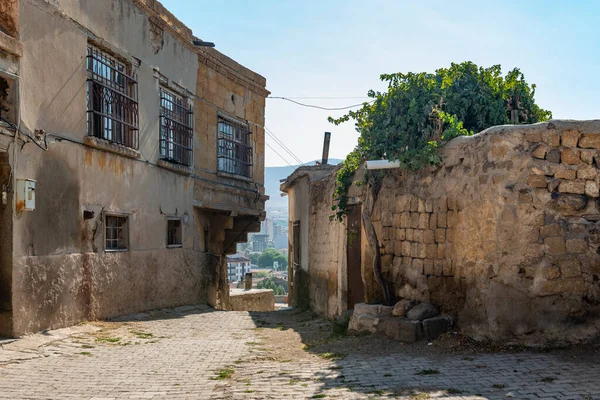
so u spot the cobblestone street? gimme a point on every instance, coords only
(199, 353)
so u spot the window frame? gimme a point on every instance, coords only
(232, 144)
(175, 245)
(181, 128)
(112, 108)
(126, 228)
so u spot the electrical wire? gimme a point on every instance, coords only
(325, 97)
(319, 107)
(16, 128)
(280, 156)
(282, 145)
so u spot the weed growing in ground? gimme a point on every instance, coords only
(498, 385)
(548, 379)
(86, 353)
(428, 372)
(332, 356)
(224, 373)
(107, 339)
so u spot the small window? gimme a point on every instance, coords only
(116, 233)
(234, 149)
(176, 128)
(174, 236)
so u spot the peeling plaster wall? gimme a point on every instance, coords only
(61, 273)
(504, 235)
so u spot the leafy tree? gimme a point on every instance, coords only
(269, 284)
(254, 258)
(419, 112)
(269, 256)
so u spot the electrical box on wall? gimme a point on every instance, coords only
(25, 195)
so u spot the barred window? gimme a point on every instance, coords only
(116, 232)
(112, 107)
(174, 233)
(176, 128)
(234, 149)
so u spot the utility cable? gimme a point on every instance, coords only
(282, 145)
(280, 156)
(319, 107)
(16, 128)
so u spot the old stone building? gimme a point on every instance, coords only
(131, 162)
(504, 235)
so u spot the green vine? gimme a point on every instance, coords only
(421, 111)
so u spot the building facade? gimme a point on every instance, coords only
(131, 162)
(238, 267)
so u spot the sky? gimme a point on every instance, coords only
(331, 52)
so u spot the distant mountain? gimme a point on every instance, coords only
(272, 177)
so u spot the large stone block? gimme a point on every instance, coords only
(553, 156)
(551, 138)
(562, 286)
(434, 327)
(570, 157)
(577, 246)
(570, 138)
(574, 187)
(362, 324)
(555, 245)
(402, 307)
(592, 189)
(551, 230)
(590, 141)
(587, 172)
(539, 151)
(440, 235)
(429, 236)
(372, 310)
(401, 329)
(564, 173)
(422, 311)
(570, 267)
(569, 202)
(423, 221)
(537, 181)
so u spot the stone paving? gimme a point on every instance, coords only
(199, 353)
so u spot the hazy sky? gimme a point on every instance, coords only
(338, 48)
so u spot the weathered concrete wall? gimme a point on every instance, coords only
(504, 235)
(61, 272)
(251, 300)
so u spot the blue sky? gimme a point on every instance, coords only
(338, 48)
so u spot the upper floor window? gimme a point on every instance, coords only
(176, 128)
(112, 107)
(234, 148)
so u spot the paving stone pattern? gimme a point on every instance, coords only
(179, 354)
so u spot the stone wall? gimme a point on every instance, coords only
(251, 300)
(504, 235)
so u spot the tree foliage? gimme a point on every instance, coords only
(269, 256)
(420, 111)
(269, 284)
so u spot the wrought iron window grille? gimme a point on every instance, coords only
(176, 128)
(234, 149)
(112, 107)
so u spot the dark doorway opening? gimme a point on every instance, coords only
(356, 288)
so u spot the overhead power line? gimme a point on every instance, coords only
(282, 145)
(319, 107)
(280, 156)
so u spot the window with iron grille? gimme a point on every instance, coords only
(234, 149)
(174, 233)
(116, 232)
(176, 128)
(112, 107)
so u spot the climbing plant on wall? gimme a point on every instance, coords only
(420, 111)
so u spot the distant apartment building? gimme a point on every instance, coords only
(260, 242)
(131, 162)
(237, 267)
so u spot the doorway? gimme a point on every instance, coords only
(356, 288)
(6, 242)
